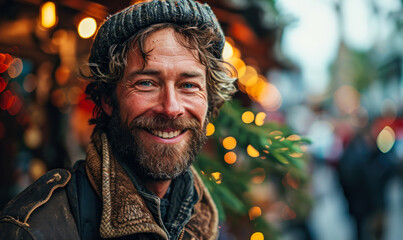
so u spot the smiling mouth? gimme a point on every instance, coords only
(165, 134)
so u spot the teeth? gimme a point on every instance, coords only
(162, 134)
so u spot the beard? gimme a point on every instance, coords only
(156, 161)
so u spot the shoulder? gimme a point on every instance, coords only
(38, 208)
(204, 222)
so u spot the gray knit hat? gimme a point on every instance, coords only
(124, 24)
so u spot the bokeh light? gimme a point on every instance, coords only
(230, 157)
(254, 212)
(386, 139)
(228, 51)
(37, 168)
(30, 83)
(257, 236)
(15, 68)
(33, 137)
(217, 176)
(229, 143)
(252, 151)
(259, 121)
(3, 84)
(248, 117)
(6, 100)
(5, 61)
(62, 75)
(87, 27)
(210, 129)
(48, 14)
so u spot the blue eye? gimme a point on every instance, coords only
(188, 85)
(145, 83)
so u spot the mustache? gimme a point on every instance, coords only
(161, 123)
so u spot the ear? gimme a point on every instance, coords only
(106, 106)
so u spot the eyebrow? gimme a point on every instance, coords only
(152, 72)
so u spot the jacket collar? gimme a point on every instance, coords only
(124, 211)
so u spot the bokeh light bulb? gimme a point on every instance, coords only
(87, 27)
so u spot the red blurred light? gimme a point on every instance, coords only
(7, 100)
(15, 107)
(5, 61)
(3, 84)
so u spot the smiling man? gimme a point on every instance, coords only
(157, 76)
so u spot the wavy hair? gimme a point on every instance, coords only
(220, 74)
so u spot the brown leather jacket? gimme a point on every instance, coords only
(51, 207)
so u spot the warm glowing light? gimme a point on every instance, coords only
(228, 51)
(87, 27)
(259, 121)
(62, 75)
(15, 108)
(210, 129)
(254, 212)
(252, 151)
(386, 139)
(347, 99)
(7, 100)
(48, 14)
(239, 65)
(229, 143)
(36, 168)
(5, 61)
(257, 236)
(250, 73)
(217, 177)
(33, 137)
(248, 117)
(267, 95)
(230, 157)
(15, 68)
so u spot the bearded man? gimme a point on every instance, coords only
(157, 76)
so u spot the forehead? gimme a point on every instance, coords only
(164, 46)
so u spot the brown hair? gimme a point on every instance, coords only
(220, 79)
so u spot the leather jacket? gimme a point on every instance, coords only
(73, 204)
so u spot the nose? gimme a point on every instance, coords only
(170, 103)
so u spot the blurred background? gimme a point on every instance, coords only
(327, 70)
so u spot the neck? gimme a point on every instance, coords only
(159, 188)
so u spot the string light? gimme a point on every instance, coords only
(259, 121)
(248, 117)
(257, 236)
(48, 14)
(229, 143)
(254, 212)
(252, 151)
(386, 139)
(230, 157)
(210, 129)
(87, 27)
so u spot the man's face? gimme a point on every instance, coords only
(162, 108)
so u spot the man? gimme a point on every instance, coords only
(157, 76)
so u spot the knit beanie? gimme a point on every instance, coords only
(122, 25)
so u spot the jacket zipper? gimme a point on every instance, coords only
(182, 233)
